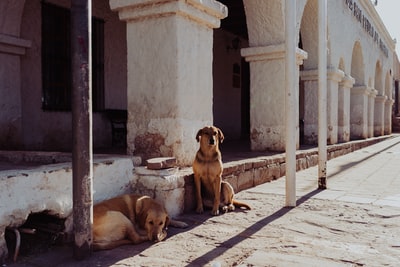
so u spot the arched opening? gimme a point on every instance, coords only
(357, 65)
(359, 96)
(231, 84)
(378, 78)
(309, 34)
(388, 86)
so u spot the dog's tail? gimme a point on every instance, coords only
(241, 204)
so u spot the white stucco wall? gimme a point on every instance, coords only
(24, 119)
(345, 30)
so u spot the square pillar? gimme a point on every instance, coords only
(379, 115)
(359, 113)
(334, 76)
(371, 113)
(170, 83)
(344, 108)
(267, 96)
(310, 79)
(388, 116)
(11, 50)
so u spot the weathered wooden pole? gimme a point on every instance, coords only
(82, 155)
(290, 101)
(322, 93)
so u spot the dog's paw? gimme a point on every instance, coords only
(199, 210)
(178, 224)
(225, 209)
(215, 212)
(231, 207)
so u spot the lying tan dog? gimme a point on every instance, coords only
(207, 168)
(129, 219)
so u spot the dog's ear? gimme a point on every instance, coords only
(220, 135)
(199, 133)
(140, 211)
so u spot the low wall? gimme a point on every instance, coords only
(37, 188)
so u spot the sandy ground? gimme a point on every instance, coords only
(315, 233)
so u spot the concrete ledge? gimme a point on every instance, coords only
(36, 187)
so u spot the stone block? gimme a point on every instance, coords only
(262, 175)
(230, 168)
(274, 171)
(301, 164)
(312, 160)
(165, 185)
(161, 163)
(258, 163)
(245, 180)
(233, 180)
(283, 169)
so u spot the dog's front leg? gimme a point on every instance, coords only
(197, 182)
(217, 195)
(136, 235)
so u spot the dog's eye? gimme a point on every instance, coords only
(161, 223)
(151, 222)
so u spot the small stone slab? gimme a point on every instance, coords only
(161, 163)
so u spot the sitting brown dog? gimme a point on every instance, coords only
(207, 168)
(129, 219)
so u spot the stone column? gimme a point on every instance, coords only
(379, 115)
(344, 108)
(359, 112)
(267, 96)
(334, 77)
(170, 53)
(388, 116)
(310, 78)
(11, 50)
(371, 111)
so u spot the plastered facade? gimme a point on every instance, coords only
(169, 64)
(159, 66)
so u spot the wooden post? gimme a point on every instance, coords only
(322, 93)
(290, 101)
(82, 155)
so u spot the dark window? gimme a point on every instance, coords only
(56, 60)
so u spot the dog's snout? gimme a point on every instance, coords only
(158, 237)
(211, 141)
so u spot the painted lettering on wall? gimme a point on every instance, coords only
(366, 25)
